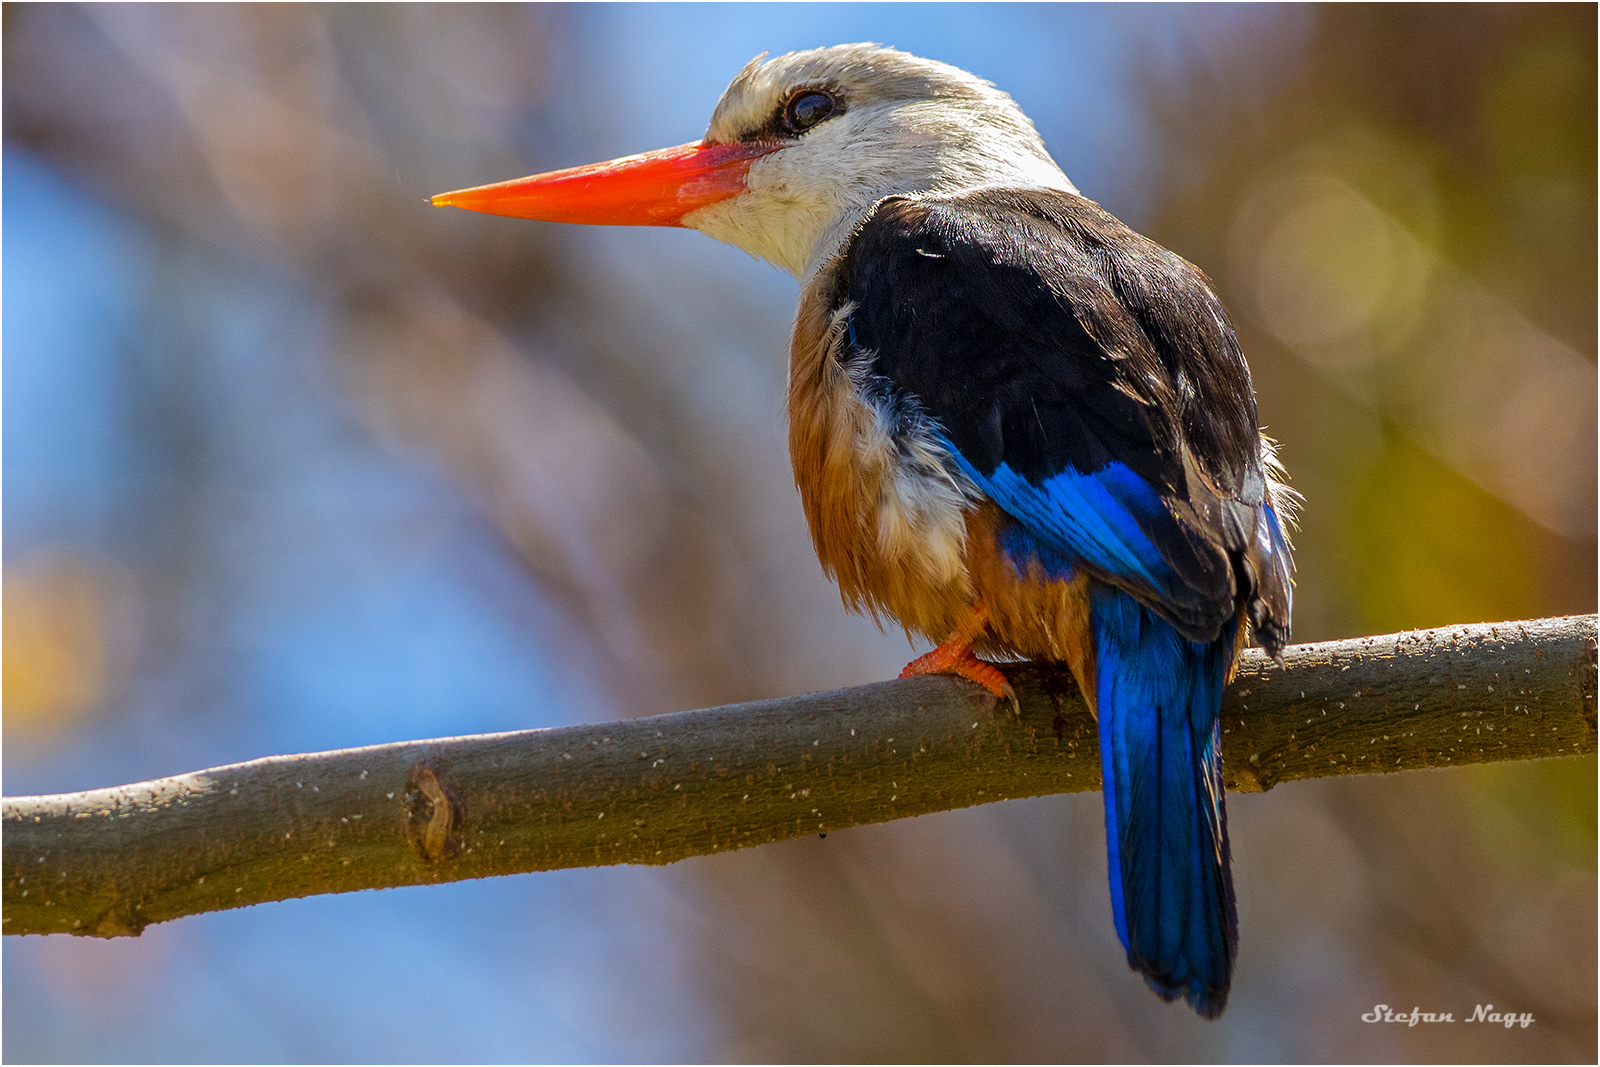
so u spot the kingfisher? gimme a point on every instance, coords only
(1018, 428)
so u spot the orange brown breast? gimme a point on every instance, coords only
(905, 535)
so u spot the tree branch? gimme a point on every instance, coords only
(109, 862)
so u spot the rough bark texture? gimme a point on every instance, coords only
(109, 862)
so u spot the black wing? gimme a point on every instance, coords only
(1089, 382)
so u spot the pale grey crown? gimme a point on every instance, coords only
(867, 75)
(903, 125)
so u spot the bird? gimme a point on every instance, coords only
(1018, 428)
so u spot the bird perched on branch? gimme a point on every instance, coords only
(1018, 427)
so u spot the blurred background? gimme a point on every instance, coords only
(293, 461)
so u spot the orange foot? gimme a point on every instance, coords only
(955, 656)
(948, 659)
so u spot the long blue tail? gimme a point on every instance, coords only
(1158, 697)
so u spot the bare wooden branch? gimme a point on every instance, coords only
(109, 862)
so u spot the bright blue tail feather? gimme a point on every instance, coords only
(1158, 697)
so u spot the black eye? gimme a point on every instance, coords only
(807, 109)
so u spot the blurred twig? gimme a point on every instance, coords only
(111, 861)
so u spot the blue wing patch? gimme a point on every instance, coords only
(1099, 518)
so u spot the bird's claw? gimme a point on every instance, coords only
(961, 661)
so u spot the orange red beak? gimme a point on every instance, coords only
(653, 189)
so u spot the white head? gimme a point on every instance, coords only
(799, 148)
(857, 123)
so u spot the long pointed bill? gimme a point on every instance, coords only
(653, 189)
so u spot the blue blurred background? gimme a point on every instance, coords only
(293, 461)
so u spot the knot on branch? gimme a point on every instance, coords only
(433, 814)
(115, 924)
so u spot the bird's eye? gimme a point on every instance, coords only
(807, 109)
